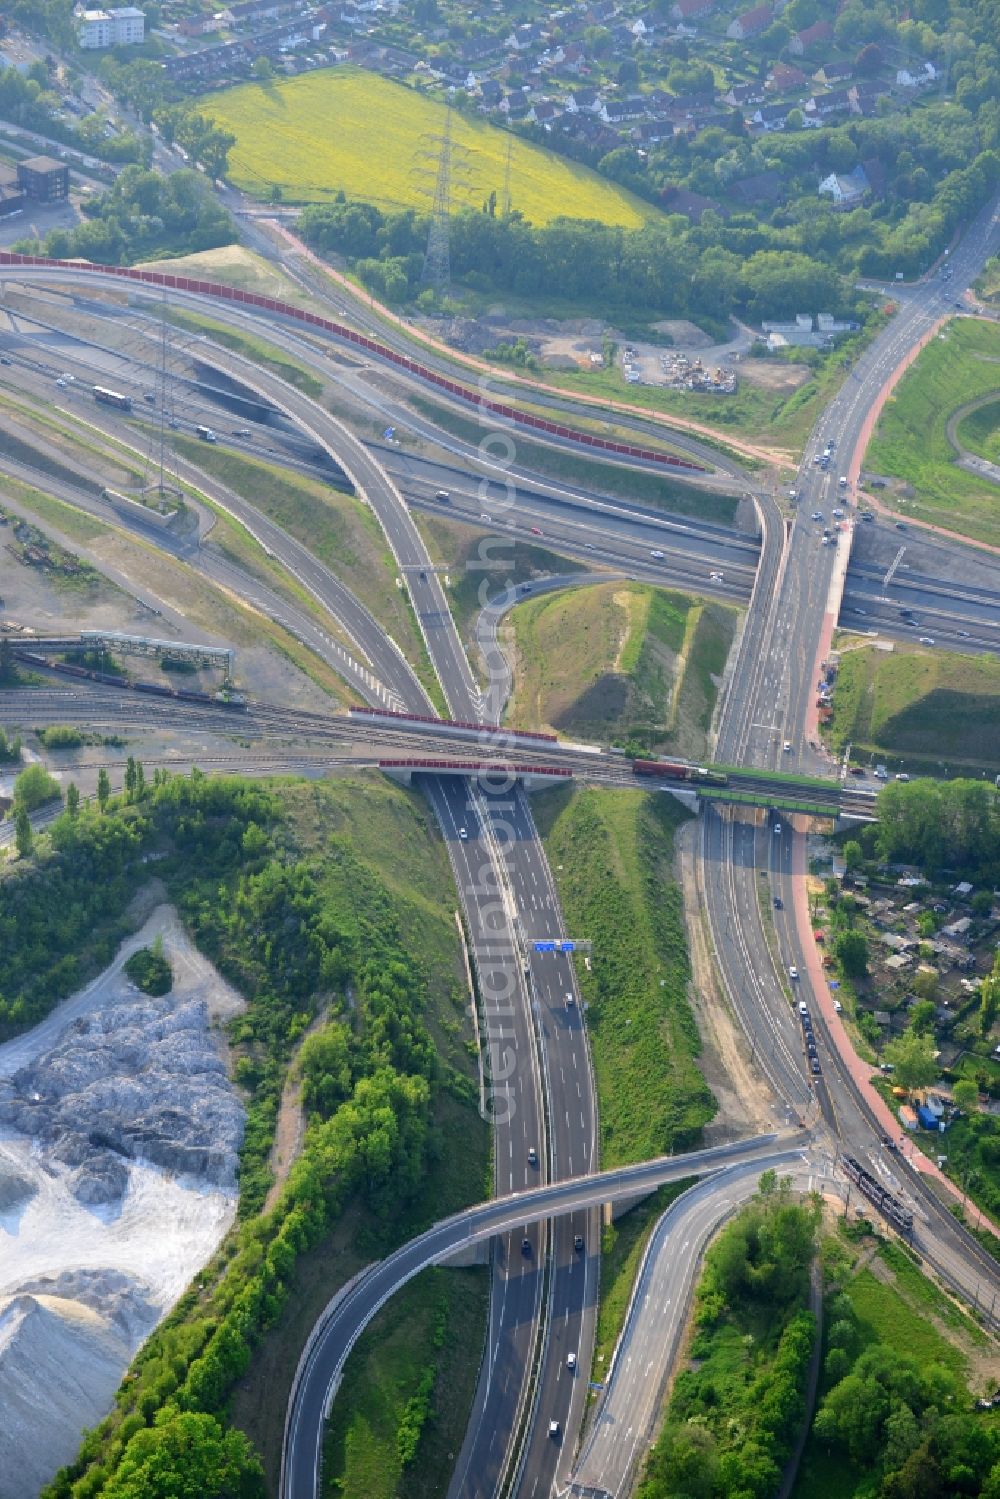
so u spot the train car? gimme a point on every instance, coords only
(107, 397)
(880, 1196)
(667, 769)
(448, 725)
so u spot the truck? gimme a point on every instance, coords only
(206, 434)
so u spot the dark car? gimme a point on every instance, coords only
(900, 526)
(779, 904)
(578, 1241)
(525, 1246)
(815, 1068)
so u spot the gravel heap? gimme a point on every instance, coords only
(136, 1081)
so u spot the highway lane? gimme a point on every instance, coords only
(347, 1319)
(582, 520)
(628, 1407)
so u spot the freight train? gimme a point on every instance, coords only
(883, 1199)
(674, 770)
(110, 679)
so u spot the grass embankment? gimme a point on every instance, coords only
(911, 444)
(979, 432)
(612, 855)
(622, 661)
(235, 265)
(337, 529)
(267, 355)
(478, 558)
(393, 1395)
(920, 707)
(879, 1303)
(311, 136)
(637, 485)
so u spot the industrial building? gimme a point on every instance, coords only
(43, 178)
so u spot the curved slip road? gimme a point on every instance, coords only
(348, 1316)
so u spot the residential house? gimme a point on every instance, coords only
(651, 132)
(123, 27)
(783, 78)
(846, 190)
(690, 10)
(691, 205)
(917, 76)
(523, 37)
(761, 189)
(811, 38)
(542, 112)
(767, 117)
(741, 94)
(832, 73)
(750, 24)
(490, 93)
(616, 111)
(837, 101)
(864, 98)
(583, 101)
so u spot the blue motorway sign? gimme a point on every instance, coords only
(554, 944)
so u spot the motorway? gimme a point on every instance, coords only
(766, 704)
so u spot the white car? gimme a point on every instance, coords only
(926, 640)
(777, 829)
(793, 973)
(818, 514)
(571, 1361)
(570, 1001)
(487, 518)
(532, 1156)
(463, 833)
(838, 1007)
(717, 577)
(554, 1430)
(657, 554)
(787, 746)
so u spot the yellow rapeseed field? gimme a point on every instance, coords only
(342, 128)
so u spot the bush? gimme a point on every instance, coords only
(150, 969)
(33, 788)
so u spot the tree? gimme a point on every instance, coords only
(23, 836)
(912, 1056)
(191, 1454)
(852, 954)
(72, 799)
(868, 60)
(966, 1095)
(103, 788)
(923, 1015)
(34, 787)
(853, 855)
(262, 69)
(989, 998)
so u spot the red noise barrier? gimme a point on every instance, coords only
(361, 341)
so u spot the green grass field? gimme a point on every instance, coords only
(336, 528)
(911, 445)
(607, 478)
(612, 855)
(923, 707)
(979, 432)
(895, 1305)
(313, 136)
(618, 661)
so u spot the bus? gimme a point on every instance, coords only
(112, 398)
(206, 434)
